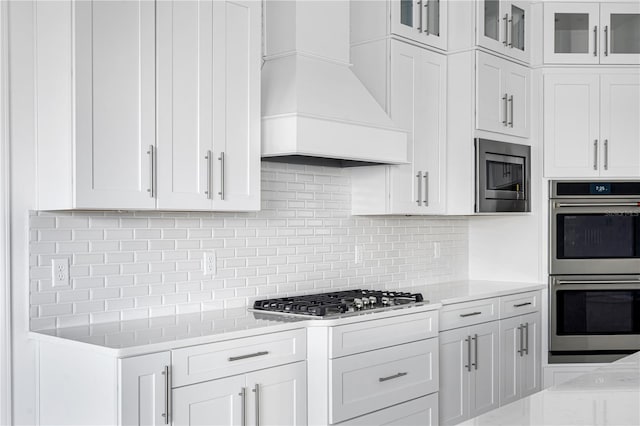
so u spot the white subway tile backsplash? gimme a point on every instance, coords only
(131, 265)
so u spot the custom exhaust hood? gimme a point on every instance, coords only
(314, 109)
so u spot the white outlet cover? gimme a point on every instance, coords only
(60, 273)
(209, 263)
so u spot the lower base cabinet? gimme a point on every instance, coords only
(421, 411)
(274, 396)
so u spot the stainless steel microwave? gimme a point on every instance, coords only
(503, 175)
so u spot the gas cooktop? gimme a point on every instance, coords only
(339, 303)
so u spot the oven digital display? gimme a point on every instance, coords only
(600, 189)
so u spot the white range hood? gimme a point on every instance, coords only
(314, 109)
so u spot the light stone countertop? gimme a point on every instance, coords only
(609, 395)
(138, 337)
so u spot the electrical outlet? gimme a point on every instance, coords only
(60, 272)
(358, 256)
(436, 249)
(209, 263)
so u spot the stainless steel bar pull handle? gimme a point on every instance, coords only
(209, 158)
(520, 345)
(606, 154)
(426, 20)
(253, 355)
(243, 406)
(595, 154)
(470, 314)
(597, 205)
(581, 282)
(506, 29)
(426, 189)
(526, 338)
(520, 305)
(510, 33)
(468, 341)
(221, 193)
(475, 348)
(419, 177)
(595, 40)
(395, 376)
(419, 9)
(504, 100)
(152, 172)
(167, 393)
(256, 390)
(606, 40)
(511, 110)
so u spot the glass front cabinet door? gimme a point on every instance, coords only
(503, 27)
(423, 21)
(592, 33)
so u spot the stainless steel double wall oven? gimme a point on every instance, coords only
(594, 286)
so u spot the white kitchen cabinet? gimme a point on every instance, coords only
(110, 139)
(520, 357)
(420, 21)
(421, 411)
(417, 103)
(592, 33)
(145, 389)
(503, 100)
(272, 396)
(590, 125)
(469, 372)
(503, 26)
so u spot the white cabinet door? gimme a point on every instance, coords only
(454, 376)
(484, 383)
(216, 402)
(510, 346)
(503, 26)
(115, 104)
(236, 155)
(571, 125)
(519, 99)
(620, 33)
(278, 395)
(491, 94)
(571, 33)
(531, 362)
(421, 411)
(144, 389)
(423, 21)
(619, 125)
(185, 103)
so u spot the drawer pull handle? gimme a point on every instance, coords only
(395, 376)
(470, 314)
(520, 305)
(239, 357)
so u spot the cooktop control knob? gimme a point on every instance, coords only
(357, 304)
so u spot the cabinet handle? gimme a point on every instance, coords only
(520, 305)
(243, 405)
(419, 176)
(470, 314)
(510, 33)
(595, 154)
(595, 40)
(239, 357)
(419, 3)
(167, 392)
(520, 346)
(468, 366)
(606, 154)
(256, 390)
(606, 40)
(511, 110)
(526, 339)
(426, 189)
(209, 158)
(504, 100)
(426, 8)
(221, 193)
(395, 376)
(151, 190)
(506, 30)
(475, 347)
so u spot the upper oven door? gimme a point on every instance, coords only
(595, 237)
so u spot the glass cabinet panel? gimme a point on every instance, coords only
(492, 19)
(433, 17)
(406, 12)
(625, 33)
(517, 28)
(571, 33)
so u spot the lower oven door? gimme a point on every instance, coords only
(594, 314)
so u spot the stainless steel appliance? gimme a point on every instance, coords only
(502, 177)
(594, 286)
(338, 304)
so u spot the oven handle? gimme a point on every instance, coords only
(565, 282)
(635, 204)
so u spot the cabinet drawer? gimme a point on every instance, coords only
(205, 362)
(519, 304)
(422, 411)
(376, 334)
(373, 380)
(468, 313)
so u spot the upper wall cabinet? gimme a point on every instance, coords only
(144, 105)
(422, 21)
(503, 26)
(592, 33)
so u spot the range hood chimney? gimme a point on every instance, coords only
(314, 109)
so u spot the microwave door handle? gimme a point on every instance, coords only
(589, 282)
(561, 205)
